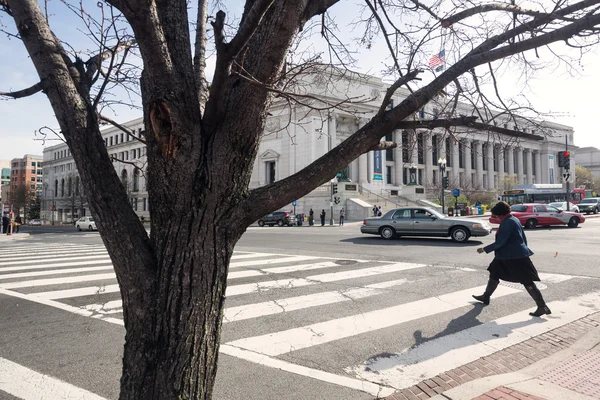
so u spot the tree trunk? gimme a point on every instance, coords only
(172, 341)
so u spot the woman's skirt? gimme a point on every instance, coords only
(519, 270)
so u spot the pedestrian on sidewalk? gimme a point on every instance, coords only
(379, 213)
(323, 217)
(342, 214)
(18, 223)
(311, 217)
(511, 260)
(375, 210)
(5, 223)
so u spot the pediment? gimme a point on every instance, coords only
(269, 154)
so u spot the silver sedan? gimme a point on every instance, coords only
(421, 221)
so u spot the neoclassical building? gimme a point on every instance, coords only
(63, 199)
(298, 134)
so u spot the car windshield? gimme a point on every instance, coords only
(589, 201)
(91, 219)
(437, 214)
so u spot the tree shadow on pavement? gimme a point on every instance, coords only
(453, 337)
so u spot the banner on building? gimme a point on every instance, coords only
(550, 168)
(377, 168)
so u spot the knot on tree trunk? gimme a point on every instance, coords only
(162, 129)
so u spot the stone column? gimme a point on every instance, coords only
(520, 175)
(490, 165)
(500, 166)
(370, 166)
(529, 166)
(398, 159)
(427, 148)
(414, 147)
(363, 160)
(511, 161)
(477, 148)
(455, 163)
(538, 167)
(467, 156)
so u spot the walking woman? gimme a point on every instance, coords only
(511, 259)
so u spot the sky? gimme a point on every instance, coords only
(572, 99)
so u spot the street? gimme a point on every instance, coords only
(311, 312)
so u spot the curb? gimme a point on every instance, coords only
(16, 236)
(514, 368)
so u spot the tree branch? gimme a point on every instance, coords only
(412, 75)
(38, 87)
(94, 63)
(200, 53)
(248, 26)
(121, 127)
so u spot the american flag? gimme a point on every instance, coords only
(437, 59)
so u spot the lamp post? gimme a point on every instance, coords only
(442, 166)
(53, 205)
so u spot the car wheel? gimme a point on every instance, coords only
(595, 211)
(78, 228)
(90, 228)
(573, 222)
(261, 223)
(531, 223)
(460, 234)
(387, 233)
(280, 223)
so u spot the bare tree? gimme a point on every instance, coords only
(202, 139)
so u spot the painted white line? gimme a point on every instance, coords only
(281, 270)
(54, 260)
(34, 248)
(278, 260)
(554, 278)
(28, 384)
(277, 343)
(249, 255)
(58, 281)
(44, 256)
(106, 261)
(290, 283)
(109, 305)
(70, 293)
(256, 310)
(431, 358)
(54, 272)
(261, 359)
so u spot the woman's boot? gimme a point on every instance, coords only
(485, 297)
(536, 295)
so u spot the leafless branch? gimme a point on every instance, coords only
(412, 75)
(38, 87)
(121, 127)
(248, 26)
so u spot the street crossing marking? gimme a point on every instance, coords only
(41, 269)
(28, 384)
(277, 343)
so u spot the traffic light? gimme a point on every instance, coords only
(335, 188)
(445, 182)
(564, 159)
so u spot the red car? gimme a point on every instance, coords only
(533, 214)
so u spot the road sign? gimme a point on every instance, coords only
(294, 203)
(456, 192)
(566, 176)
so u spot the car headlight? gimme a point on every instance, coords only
(475, 226)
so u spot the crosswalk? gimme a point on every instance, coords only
(298, 313)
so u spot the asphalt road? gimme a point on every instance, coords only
(354, 305)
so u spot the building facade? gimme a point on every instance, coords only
(25, 175)
(589, 157)
(297, 135)
(63, 198)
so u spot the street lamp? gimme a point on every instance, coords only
(442, 166)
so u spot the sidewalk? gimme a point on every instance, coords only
(561, 364)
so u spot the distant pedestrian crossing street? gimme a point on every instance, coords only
(298, 313)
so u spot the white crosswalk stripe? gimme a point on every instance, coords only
(318, 302)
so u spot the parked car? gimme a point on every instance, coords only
(589, 205)
(562, 205)
(532, 214)
(279, 218)
(35, 222)
(422, 221)
(86, 223)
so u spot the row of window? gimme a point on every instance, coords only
(18, 164)
(112, 140)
